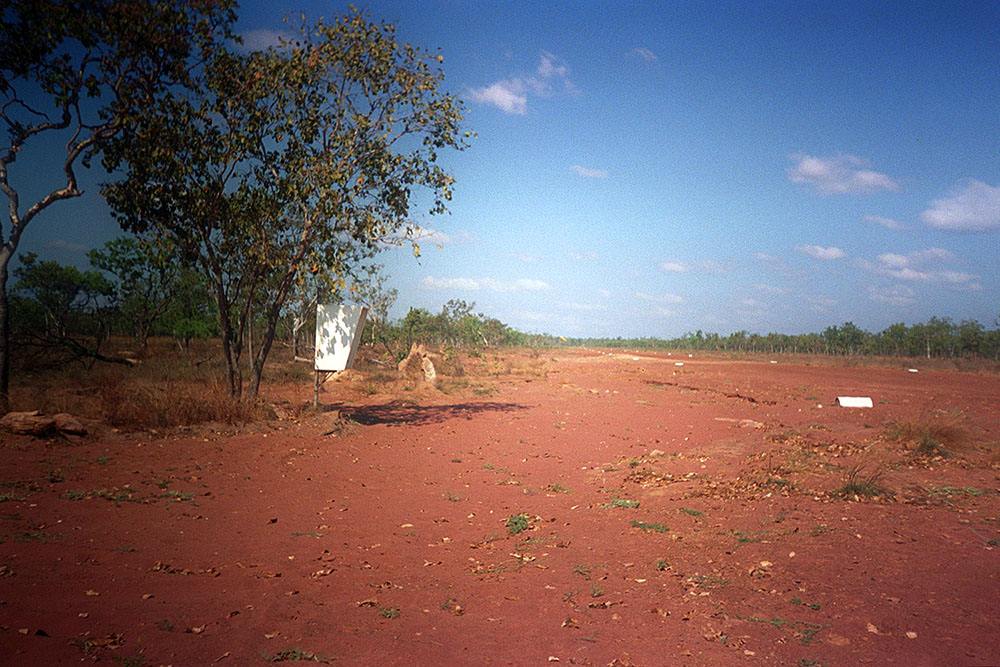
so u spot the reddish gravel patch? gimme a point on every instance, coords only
(674, 515)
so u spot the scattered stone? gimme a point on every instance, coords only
(67, 423)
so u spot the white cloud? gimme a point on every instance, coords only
(819, 252)
(665, 312)
(821, 304)
(263, 39)
(506, 95)
(771, 289)
(532, 258)
(583, 306)
(888, 223)
(475, 284)
(604, 292)
(708, 265)
(63, 244)
(666, 298)
(972, 206)
(899, 295)
(511, 95)
(844, 174)
(587, 172)
(643, 53)
(922, 266)
(673, 266)
(441, 239)
(584, 257)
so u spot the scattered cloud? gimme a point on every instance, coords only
(511, 95)
(821, 304)
(531, 258)
(666, 298)
(771, 289)
(476, 284)
(708, 265)
(665, 312)
(972, 206)
(441, 239)
(923, 266)
(888, 223)
(583, 306)
(263, 39)
(644, 54)
(898, 295)
(819, 252)
(843, 174)
(604, 292)
(587, 172)
(63, 244)
(584, 256)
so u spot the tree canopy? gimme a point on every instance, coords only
(306, 156)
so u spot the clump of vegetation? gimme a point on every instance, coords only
(621, 502)
(864, 482)
(518, 523)
(925, 439)
(292, 654)
(646, 527)
(389, 612)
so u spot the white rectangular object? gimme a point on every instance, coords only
(854, 401)
(338, 335)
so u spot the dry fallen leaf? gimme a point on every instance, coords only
(872, 629)
(91, 592)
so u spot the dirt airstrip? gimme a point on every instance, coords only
(570, 506)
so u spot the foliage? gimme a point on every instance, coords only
(81, 73)
(939, 337)
(301, 157)
(62, 306)
(518, 523)
(147, 280)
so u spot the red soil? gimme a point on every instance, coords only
(387, 543)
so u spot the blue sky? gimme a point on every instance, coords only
(647, 169)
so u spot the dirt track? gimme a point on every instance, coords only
(674, 515)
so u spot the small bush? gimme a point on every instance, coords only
(518, 523)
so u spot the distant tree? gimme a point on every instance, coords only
(72, 309)
(370, 289)
(146, 281)
(81, 71)
(301, 157)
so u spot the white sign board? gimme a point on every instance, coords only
(338, 335)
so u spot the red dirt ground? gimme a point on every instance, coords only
(676, 515)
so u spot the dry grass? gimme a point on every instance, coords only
(131, 403)
(926, 438)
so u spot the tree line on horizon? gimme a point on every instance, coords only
(939, 337)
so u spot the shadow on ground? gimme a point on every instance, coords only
(397, 413)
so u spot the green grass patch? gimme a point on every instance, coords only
(691, 512)
(646, 527)
(389, 612)
(518, 523)
(815, 606)
(620, 502)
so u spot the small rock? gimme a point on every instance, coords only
(911, 635)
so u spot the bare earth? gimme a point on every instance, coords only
(673, 515)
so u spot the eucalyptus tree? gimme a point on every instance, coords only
(72, 76)
(303, 156)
